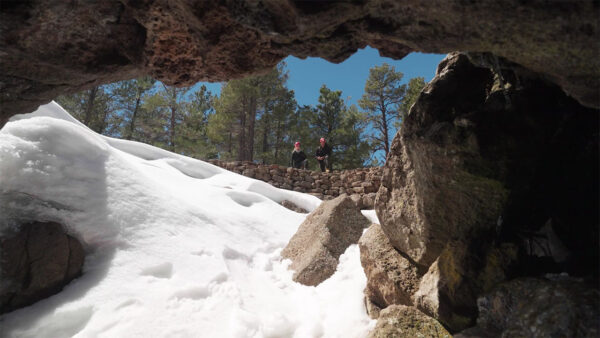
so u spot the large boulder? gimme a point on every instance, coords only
(36, 262)
(391, 277)
(465, 187)
(54, 47)
(320, 240)
(538, 307)
(399, 321)
(431, 191)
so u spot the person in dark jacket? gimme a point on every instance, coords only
(299, 160)
(323, 155)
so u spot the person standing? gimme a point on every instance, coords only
(323, 155)
(299, 160)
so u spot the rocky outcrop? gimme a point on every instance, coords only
(49, 48)
(321, 239)
(462, 194)
(36, 261)
(360, 184)
(391, 277)
(538, 307)
(429, 194)
(399, 321)
(449, 289)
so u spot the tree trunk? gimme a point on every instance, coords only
(386, 141)
(173, 115)
(251, 123)
(277, 139)
(230, 143)
(133, 116)
(90, 106)
(266, 127)
(242, 137)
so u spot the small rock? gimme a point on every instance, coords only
(399, 321)
(293, 207)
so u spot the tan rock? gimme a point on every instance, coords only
(368, 200)
(391, 278)
(399, 321)
(322, 238)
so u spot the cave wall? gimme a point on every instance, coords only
(53, 47)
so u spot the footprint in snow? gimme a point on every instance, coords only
(202, 252)
(220, 278)
(194, 293)
(231, 254)
(245, 199)
(163, 270)
(128, 303)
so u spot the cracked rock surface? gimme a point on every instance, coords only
(36, 262)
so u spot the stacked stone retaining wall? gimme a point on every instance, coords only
(360, 184)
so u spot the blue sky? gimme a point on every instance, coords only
(307, 76)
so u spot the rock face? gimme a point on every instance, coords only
(463, 193)
(538, 307)
(36, 262)
(322, 238)
(399, 321)
(428, 194)
(449, 289)
(391, 278)
(49, 48)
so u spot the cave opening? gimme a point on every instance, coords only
(500, 149)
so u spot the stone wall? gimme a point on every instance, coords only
(360, 184)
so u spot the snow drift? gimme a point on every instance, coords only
(176, 247)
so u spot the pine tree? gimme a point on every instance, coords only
(129, 97)
(93, 107)
(192, 134)
(249, 113)
(342, 128)
(415, 86)
(382, 97)
(163, 112)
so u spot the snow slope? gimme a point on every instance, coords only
(176, 247)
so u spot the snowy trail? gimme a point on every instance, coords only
(176, 247)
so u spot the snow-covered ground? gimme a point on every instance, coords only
(176, 247)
